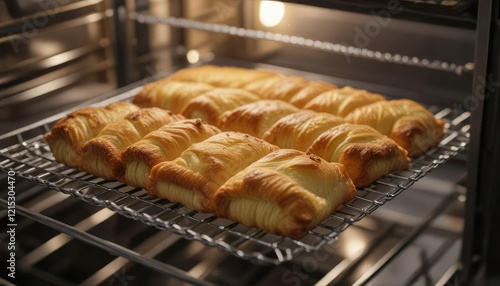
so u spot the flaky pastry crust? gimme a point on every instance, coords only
(221, 76)
(170, 94)
(69, 134)
(164, 144)
(211, 105)
(287, 192)
(342, 101)
(366, 154)
(193, 178)
(408, 123)
(277, 87)
(299, 130)
(310, 91)
(102, 155)
(257, 117)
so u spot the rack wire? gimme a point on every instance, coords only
(28, 155)
(336, 48)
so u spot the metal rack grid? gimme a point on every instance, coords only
(28, 155)
(336, 48)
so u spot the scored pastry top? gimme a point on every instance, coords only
(257, 117)
(70, 133)
(286, 192)
(170, 94)
(221, 76)
(196, 174)
(408, 123)
(211, 105)
(298, 130)
(342, 101)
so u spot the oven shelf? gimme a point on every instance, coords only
(335, 48)
(26, 153)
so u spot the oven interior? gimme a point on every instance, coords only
(59, 55)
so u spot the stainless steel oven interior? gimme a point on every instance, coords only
(75, 229)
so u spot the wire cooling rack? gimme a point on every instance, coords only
(28, 155)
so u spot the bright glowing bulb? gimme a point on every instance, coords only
(193, 56)
(271, 13)
(354, 246)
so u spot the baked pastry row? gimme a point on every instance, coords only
(265, 84)
(246, 179)
(175, 92)
(127, 149)
(193, 100)
(104, 155)
(314, 95)
(164, 144)
(369, 155)
(405, 121)
(366, 153)
(238, 176)
(230, 174)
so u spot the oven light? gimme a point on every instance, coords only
(271, 13)
(354, 247)
(193, 56)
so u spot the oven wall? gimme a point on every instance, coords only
(53, 55)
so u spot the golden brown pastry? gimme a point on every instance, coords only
(164, 144)
(169, 94)
(287, 192)
(408, 123)
(342, 101)
(68, 135)
(366, 154)
(221, 76)
(102, 155)
(257, 117)
(299, 130)
(211, 105)
(277, 87)
(310, 91)
(193, 178)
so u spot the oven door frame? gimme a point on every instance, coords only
(480, 261)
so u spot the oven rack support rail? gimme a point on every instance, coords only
(108, 246)
(336, 48)
(28, 156)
